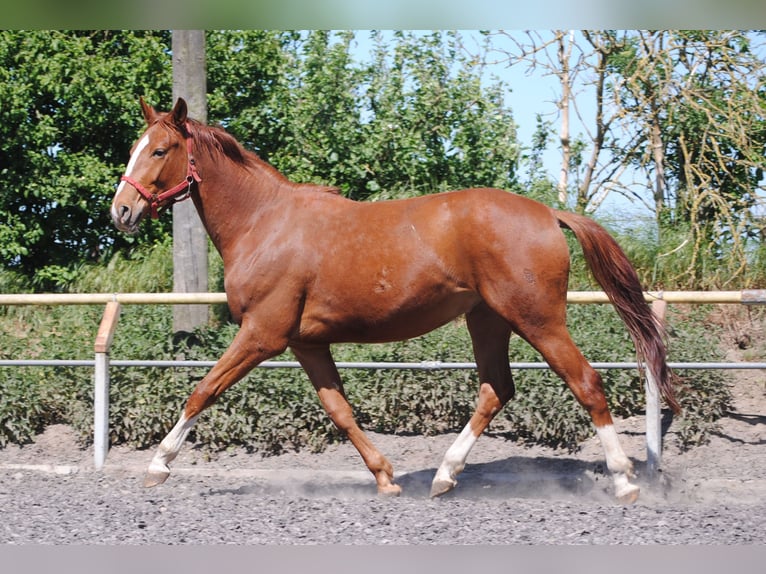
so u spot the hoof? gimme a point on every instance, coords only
(389, 490)
(439, 487)
(628, 494)
(155, 477)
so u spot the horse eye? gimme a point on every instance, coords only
(159, 153)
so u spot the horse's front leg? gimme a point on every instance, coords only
(244, 353)
(320, 367)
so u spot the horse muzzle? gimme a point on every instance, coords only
(127, 218)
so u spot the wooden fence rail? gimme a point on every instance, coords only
(745, 296)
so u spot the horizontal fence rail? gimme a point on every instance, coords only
(745, 296)
(422, 366)
(102, 363)
(104, 298)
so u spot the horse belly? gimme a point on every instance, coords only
(378, 320)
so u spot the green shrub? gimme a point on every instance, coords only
(22, 412)
(704, 394)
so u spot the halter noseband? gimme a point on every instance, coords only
(177, 192)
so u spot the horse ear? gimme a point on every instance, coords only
(179, 112)
(149, 112)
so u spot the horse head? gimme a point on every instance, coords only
(158, 160)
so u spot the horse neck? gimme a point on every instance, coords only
(231, 199)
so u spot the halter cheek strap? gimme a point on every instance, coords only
(177, 192)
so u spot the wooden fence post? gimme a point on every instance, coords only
(101, 391)
(653, 409)
(190, 243)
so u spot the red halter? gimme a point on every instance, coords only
(174, 194)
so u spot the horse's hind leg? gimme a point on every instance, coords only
(320, 367)
(490, 335)
(553, 341)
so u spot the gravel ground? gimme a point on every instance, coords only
(508, 494)
(45, 508)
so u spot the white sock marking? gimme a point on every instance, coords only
(616, 460)
(171, 444)
(456, 455)
(618, 463)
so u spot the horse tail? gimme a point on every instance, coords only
(617, 277)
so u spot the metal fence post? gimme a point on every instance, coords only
(653, 409)
(101, 390)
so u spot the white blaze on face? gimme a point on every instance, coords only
(143, 142)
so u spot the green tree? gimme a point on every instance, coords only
(696, 100)
(414, 118)
(319, 110)
(432, 123)
(68, 112)
(246, 71)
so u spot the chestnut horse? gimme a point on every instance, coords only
(305, 267)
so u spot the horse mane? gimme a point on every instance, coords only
(219, 143)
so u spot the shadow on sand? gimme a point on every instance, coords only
(514, 477)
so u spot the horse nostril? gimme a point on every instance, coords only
(124, 213)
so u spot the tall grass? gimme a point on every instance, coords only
(148, 269)
(679, 257)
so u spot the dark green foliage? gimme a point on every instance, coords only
(68, 116)
(22, 409)
(704, 395)
(413, 401)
